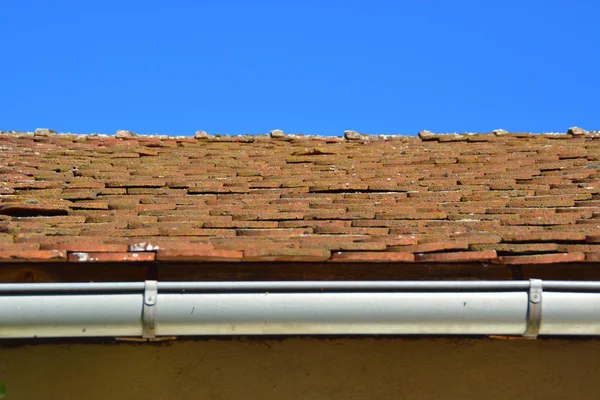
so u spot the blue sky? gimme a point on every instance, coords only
(311, 66)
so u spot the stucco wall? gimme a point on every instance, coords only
(305, 368)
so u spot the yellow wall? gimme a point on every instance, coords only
(305, 368)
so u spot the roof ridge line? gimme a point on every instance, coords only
(349, 135)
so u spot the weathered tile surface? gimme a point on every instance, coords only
(514, 199)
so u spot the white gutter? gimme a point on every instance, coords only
(151, 308)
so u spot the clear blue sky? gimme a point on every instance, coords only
(311, 66)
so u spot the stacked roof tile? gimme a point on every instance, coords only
(497, 198)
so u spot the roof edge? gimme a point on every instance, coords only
(279, 135)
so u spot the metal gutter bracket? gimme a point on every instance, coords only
(534, 310)
(149, 310)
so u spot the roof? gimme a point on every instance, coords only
(496, 198)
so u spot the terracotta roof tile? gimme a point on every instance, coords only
(86, 257)
(457, 256)
(284, 254)
(85, 246)
(198, 254)
(507, 198)
(435, 246)
(365, 256)
(20, 255)
(541, 258)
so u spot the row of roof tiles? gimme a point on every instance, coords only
(80, 252)
(510, 198)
